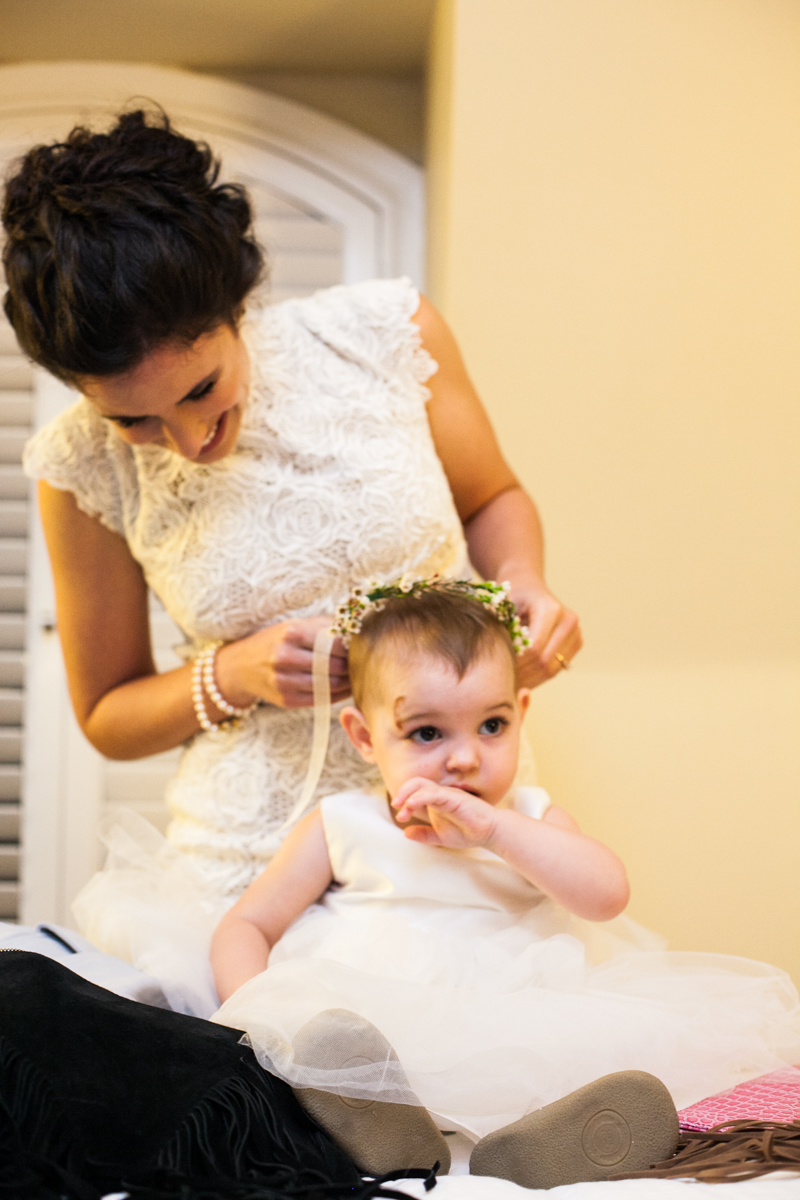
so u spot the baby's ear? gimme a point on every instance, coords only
(354, 723)
(523, 700)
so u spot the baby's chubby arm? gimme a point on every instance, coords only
(297, 876)
(575, 870)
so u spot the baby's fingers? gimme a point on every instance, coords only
(424, 834)
(407, 791)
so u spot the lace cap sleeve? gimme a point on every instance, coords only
(371, 323)
(76, 452)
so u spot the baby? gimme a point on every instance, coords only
(417, 957)
(438, 711)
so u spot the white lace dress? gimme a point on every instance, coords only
(334, 481)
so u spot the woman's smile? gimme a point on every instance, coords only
(216, 435)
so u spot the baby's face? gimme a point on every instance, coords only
(460, 733)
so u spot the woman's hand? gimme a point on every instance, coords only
(553, 629)
(275, 664)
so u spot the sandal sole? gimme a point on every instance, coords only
(619, 1123)
(379, 1136)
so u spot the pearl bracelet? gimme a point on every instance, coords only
(197, 695)
(203, 673)
(213, 691)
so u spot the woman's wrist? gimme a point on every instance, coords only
(523, 577)
(230, 667)
(206, 694)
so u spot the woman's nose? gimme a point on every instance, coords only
(185, 435)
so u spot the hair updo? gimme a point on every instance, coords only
(118, 242)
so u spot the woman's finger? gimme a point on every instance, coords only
(564, 643)
(303, 633)
(291, 663)
(544, 623)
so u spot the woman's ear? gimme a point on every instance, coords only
(354, 723)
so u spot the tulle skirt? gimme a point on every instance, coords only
(150, 907)
(490, 1015)
(491, 1024)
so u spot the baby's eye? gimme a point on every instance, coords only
(425, 735)
(493, 726)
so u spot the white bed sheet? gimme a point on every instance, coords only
(460, 1185)
(471, 1187)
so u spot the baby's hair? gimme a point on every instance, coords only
(455, 628)
(122, 241)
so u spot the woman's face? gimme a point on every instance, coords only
(188, 399)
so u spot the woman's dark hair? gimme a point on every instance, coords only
(118, 242)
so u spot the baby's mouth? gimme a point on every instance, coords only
(464, 787)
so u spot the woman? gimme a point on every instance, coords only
(248, 466)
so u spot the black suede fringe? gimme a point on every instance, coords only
(233, 1145)
(29, 1105)
(235, 1130)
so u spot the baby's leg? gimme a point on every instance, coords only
(379, 1136)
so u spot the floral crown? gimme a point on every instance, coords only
(351, 614)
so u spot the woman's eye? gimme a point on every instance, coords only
(128, 422)
(425, 735)
(204, 391)
(493, 725)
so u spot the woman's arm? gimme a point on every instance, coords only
(501, 524)
(575, 870)
(124, 707)
(297, 876)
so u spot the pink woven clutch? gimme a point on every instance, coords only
(773, 1097)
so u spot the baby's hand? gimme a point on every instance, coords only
(456, 819)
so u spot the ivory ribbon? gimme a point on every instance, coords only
(320, 671)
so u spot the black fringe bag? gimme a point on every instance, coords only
(99, 1094)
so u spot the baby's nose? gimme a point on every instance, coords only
(464, 756)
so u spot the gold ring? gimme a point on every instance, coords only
(562, 662)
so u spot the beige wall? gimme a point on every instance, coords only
(387, 107)
(380, 37)
(614, 234)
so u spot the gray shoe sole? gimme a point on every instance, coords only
(620, 1123)
(379, 1136)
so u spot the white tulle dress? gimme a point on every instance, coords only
(494, 998)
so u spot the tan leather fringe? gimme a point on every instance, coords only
(729, 1152)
